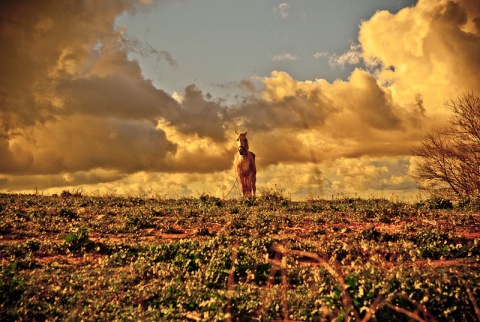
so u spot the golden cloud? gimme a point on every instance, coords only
(430, 49)
(76, 111)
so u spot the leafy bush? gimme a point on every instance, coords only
(12, 285)
(77, 241)
(471, 203)
(437, 203)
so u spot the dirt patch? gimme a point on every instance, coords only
(446, 263)
(470, 234)
(87, 258)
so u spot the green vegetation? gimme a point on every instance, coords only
(74, 257)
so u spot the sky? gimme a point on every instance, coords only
(139, 97)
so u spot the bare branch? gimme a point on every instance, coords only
(347, 301)
(448, 161)
(403, 311)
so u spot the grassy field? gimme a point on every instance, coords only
(75, 257)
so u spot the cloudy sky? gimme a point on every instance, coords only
(143, 97)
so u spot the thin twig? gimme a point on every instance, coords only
(377, 303)
(269, 284)
(347, 302)
(283, 270)
(231, 281)
(474, 302)
(420, 307)
(403, 311)
(233, 186)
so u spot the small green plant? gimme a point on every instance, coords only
(5, 227)
(75, 193)
(471, 203)
(438, 203)
(273, 197)
(210, 200)
(67, 213)
(12, 285)
(77, 241)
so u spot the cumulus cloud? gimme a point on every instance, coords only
(370, 177)
(62, 181)
(352, 57)
(285, 57)
(430, 49)
(67, 106)
(81, 143)
(200, 116)
(133, 45)
(282, 10)
(320, 54)
(75, 102)
(42, 43)
(358, 116)
(76, 111)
